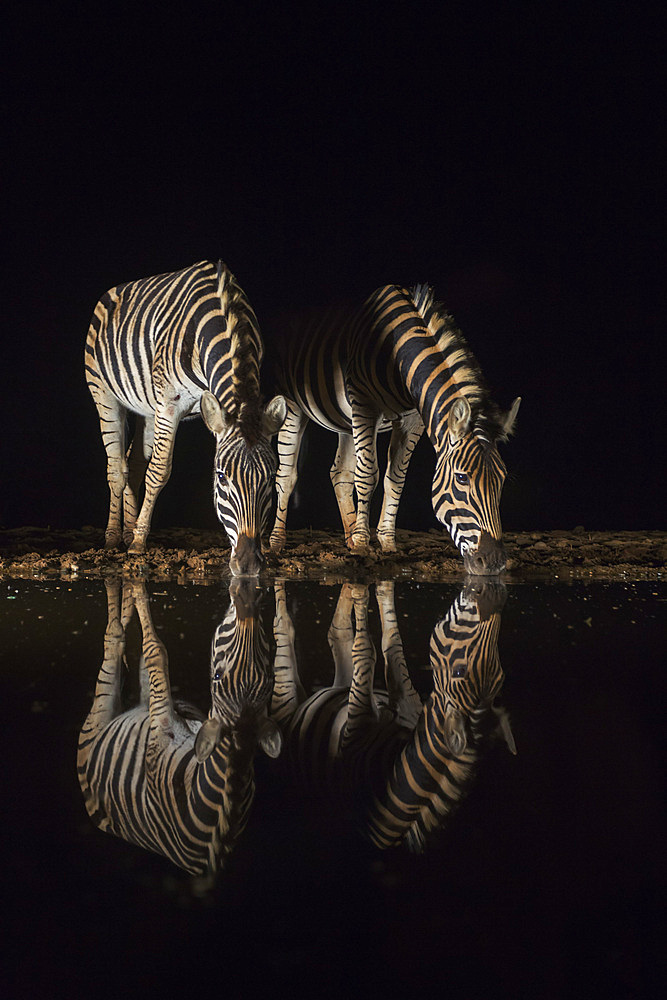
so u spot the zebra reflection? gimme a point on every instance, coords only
(162, 775)
(400, 764)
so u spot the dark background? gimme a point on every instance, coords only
(508, 156)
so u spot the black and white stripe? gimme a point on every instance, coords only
(397, 362)
(162, 775)
(167, 348)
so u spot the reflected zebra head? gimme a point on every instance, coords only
(466, 664)
(467, 486)
(243, 475)
(160, 774)
(241, 678)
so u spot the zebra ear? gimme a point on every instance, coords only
(214, 416)
(270, 738)
(274, 415)
(510, 419)
(505, 728)
(459, 418)
(207, 738)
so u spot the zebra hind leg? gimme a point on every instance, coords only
(288, 692)
(157, 475)
(289, 443)
(106, 704)
(342, 479)
(112, 425)
(138, 456)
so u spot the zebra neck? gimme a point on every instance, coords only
(220, 796)
(434, 380)
(425, 784)
(435, 393)
(434, 411)
(212, 366)
(229, 368)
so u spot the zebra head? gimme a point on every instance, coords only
(467, 485)
(466, 665)
(241, 683)
(243, 476)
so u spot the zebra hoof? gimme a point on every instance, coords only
(359, 546)
(112, 541)
(137, 548)
(387, 544)
(277, 543)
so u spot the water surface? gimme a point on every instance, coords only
(546, 879)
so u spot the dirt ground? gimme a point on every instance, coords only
(192, 555)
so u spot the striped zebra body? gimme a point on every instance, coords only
(397, 363)
(403, 766)
(168, 348)
(161, 775)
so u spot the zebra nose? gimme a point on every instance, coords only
(247, 558)
(488, 558)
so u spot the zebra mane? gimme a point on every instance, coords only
(246, 404)
(487, 420)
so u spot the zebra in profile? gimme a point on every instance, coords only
(401, 765)
(162, 775)
(397, 363)
(167, 348)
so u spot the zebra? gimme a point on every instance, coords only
(402, 765)
(168, 348)
(398, 362)
(435, 769)
(162, 775)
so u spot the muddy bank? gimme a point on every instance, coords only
(185, 554)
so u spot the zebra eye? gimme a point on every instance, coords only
(222, 478)
(217, 676)
(461, 478)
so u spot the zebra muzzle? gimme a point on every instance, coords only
(247, 558)
(488, 558)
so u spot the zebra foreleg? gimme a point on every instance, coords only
(289, 443)
(365, 427)
(342, 479)
(341, 637)
(406, 432)
(361, 706)
(157, 476)
(155, 664)
(403, 701)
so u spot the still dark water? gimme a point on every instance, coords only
(546, 879)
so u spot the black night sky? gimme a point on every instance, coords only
(507, 155)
